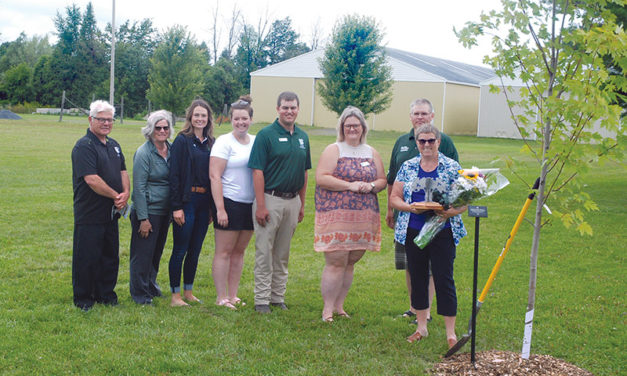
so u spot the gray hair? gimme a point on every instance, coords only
(351, 111)
(420, 101)
(427, 128)
(287, 96)
(153, 119)
(100, 106)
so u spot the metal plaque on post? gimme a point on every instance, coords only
(477, 211)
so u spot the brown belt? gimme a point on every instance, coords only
(275, 193)
(199, 189)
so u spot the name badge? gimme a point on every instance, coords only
(282, 139)
(365, 164)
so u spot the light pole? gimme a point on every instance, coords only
(111, 84)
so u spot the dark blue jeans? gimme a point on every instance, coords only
(188, 241)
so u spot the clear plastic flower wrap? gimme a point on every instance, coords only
(471, 185)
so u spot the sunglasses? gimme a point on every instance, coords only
(166, 128)
(240, 102)
(429, 141)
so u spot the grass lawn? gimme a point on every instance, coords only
(580, 308)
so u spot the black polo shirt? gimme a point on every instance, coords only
(91, 157)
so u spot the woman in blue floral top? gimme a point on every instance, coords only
(411, 195)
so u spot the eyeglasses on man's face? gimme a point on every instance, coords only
(104, 120)
(423, 114)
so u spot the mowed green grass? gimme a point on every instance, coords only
(580, 308)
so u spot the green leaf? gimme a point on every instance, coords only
(584, 229)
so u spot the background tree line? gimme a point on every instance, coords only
(169, 68)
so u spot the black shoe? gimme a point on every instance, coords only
(85, 308)
(280, 305)
(415, 322)
(409, 313)
(262, 308)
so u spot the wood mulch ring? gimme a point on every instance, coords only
(505, 363)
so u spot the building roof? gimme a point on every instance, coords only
(406, 66)
(495, 80)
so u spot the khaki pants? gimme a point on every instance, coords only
(272, 245)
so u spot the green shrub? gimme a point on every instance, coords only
(24, 108)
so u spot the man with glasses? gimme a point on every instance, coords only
(101, 192)
(421, 112)
(280, 158)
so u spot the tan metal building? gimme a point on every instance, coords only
(495, 116)
(452, 87)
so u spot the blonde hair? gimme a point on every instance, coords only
(351, 111)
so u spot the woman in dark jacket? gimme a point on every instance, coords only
(190, 196)
(150, 214)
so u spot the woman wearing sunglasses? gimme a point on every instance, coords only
(411, 195)
(150, 213)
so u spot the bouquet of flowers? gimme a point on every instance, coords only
(471, 185)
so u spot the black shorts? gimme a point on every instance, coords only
(240, 216)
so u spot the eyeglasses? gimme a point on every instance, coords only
(352, 126)
(166, 128)
(240, 102)
(104, 120)
(429, 141)
(423, 114)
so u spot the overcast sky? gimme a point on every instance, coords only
(424, 27)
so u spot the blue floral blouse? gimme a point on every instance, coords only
(447, 172)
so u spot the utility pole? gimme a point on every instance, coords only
(111, 84)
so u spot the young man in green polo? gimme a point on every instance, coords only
(280, 158)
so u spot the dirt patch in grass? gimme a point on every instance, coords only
(502, 363)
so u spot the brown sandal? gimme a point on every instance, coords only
(452, 341)
(417, 336)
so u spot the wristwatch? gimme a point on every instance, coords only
(373, 186)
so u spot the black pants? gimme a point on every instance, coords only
(145, 257)
(95, 263)
(441, 253)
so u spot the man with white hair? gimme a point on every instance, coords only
(101, 192)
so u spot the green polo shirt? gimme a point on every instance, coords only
(283, 157)
(405, 148)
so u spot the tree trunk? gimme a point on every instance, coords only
(535, 244)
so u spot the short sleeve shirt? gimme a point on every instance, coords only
(237, 178)
(447, 173)
(283, 157)
(405, 148)
(91, 157)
